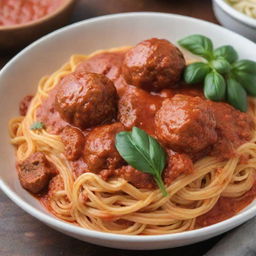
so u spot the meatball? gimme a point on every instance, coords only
(177, 165)
(36, 172)
(153, 65)
(73, 140)
(86, 99)
(186, 124)
(136, 178)
(233, 128)
(100, 151)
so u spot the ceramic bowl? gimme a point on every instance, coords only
(234, 20)
(21, 75)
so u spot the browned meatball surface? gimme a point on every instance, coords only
(177, 165)
(186, 124)
(136, 178)
(233, 129)
(100, 151)
(36, 172)
(153, 65)
(73, 140)
(86, 99)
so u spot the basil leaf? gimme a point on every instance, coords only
(142, 152)
(141, 138)
(199, 45)
(157, 154)
(247, 66)
(248, 81)
(146, 143)
(196, 72)
(214, 86)
(236, 95)
(37, 126)
(221, 65)
(227, 52)
(131, 154)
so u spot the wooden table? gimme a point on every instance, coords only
(21, 234)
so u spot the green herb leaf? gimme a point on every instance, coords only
(236, 95)
(214, 86)
(247, 80)
(227, 52)
(247, 66)
(144, 153)
(244, 71)
(37, 126)
(199, 45)
(157, 154)
(196, 72)
(221, 65)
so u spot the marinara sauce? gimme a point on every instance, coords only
(13, 12)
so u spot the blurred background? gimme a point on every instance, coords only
(17, 33)
(23, 21)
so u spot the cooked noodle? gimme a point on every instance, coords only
(118, 207)
(248, 7)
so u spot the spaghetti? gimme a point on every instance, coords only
(248, 7)
(117, 206)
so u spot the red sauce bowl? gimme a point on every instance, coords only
(19, 35)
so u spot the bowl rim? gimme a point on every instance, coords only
(49, 16)
(76, 230)
(243, 18)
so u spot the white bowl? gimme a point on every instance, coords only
(234, 20)
(20, 77)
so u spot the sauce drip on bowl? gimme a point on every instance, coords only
(14, 12)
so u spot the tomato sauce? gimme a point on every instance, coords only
(13, 12)
(48, 115)
(226, 208)
(233, 127)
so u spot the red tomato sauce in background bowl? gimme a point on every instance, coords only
(23, 21)
(14, 12)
